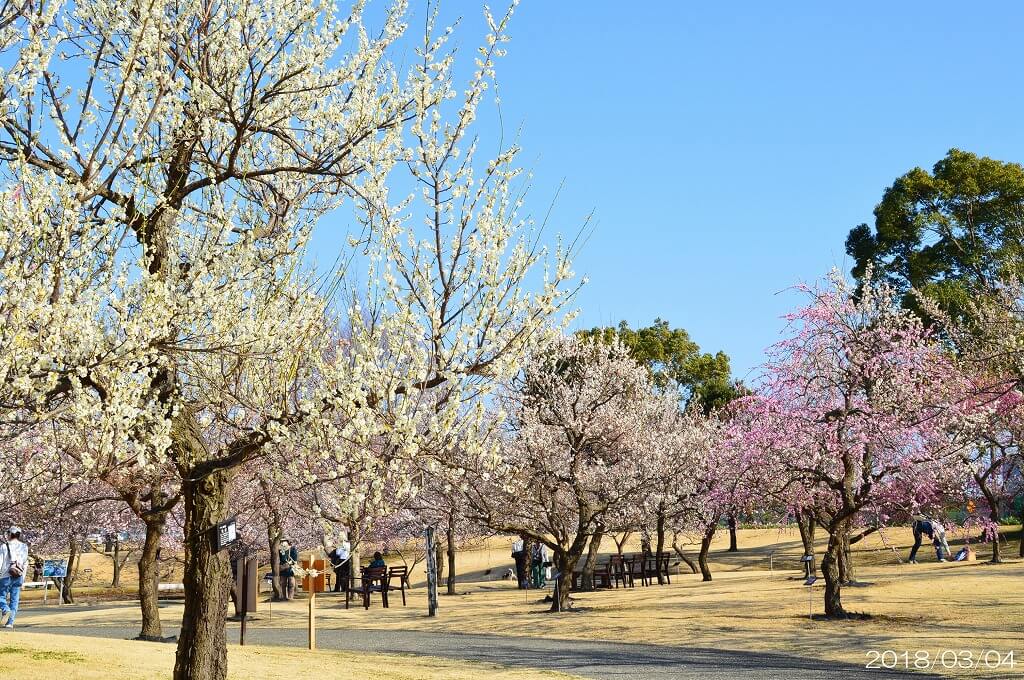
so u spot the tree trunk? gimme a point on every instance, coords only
(274, 540)
(67, 595)
(149, 580)
(830, 570)
(994, 516)
(451, 554)
(565, 564)
(732, 533)
(805, 522)
(620, 543)
(689, 562)
(354, 538)
(846, 572)
(202, 647)
(587, 577)
(439, 551)
(660, 531)
(115, 582)
(705, 546)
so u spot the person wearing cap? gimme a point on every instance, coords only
(341, 562)
(289, 557)
(12, 575)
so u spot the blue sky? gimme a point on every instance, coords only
(727, 148)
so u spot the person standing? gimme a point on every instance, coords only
(538, 562)
(12, 575)
(519, 555)
(934, 530)
(288, 557)
(341, 562)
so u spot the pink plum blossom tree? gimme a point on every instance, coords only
(855, 410)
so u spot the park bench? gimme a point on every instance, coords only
(402, 574)
(659, 565)
(170, 590)
(620, 572)
(371, 580)
(602, 576)
(637, 567)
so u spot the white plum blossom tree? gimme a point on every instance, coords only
(165, 165)
(584, 425)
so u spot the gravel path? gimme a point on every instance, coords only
(599, 660)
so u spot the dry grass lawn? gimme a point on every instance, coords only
(756, 602)
(29, 656)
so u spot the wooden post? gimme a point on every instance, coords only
(312, 620)
(431, 574)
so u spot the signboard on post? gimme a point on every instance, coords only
(55, 568)
(224, 534)
(314, 579)
(247, 580)
(808, 561)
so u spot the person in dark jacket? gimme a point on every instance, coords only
(289, 558)
(933, 529)
(378, 561)
(341, 563)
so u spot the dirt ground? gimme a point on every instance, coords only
(756, 602)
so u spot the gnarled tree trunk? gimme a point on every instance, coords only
(202, 647)
(846, 571)
(587, 575)
(566, 561)
(830, 570)
(149, 579)
(705, 547)
(67, 594)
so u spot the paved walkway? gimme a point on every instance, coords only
(598, 660)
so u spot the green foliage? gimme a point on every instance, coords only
(952, 233)
(674, 359)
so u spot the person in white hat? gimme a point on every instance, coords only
(12, 575)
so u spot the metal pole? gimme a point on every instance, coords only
(431, 573)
